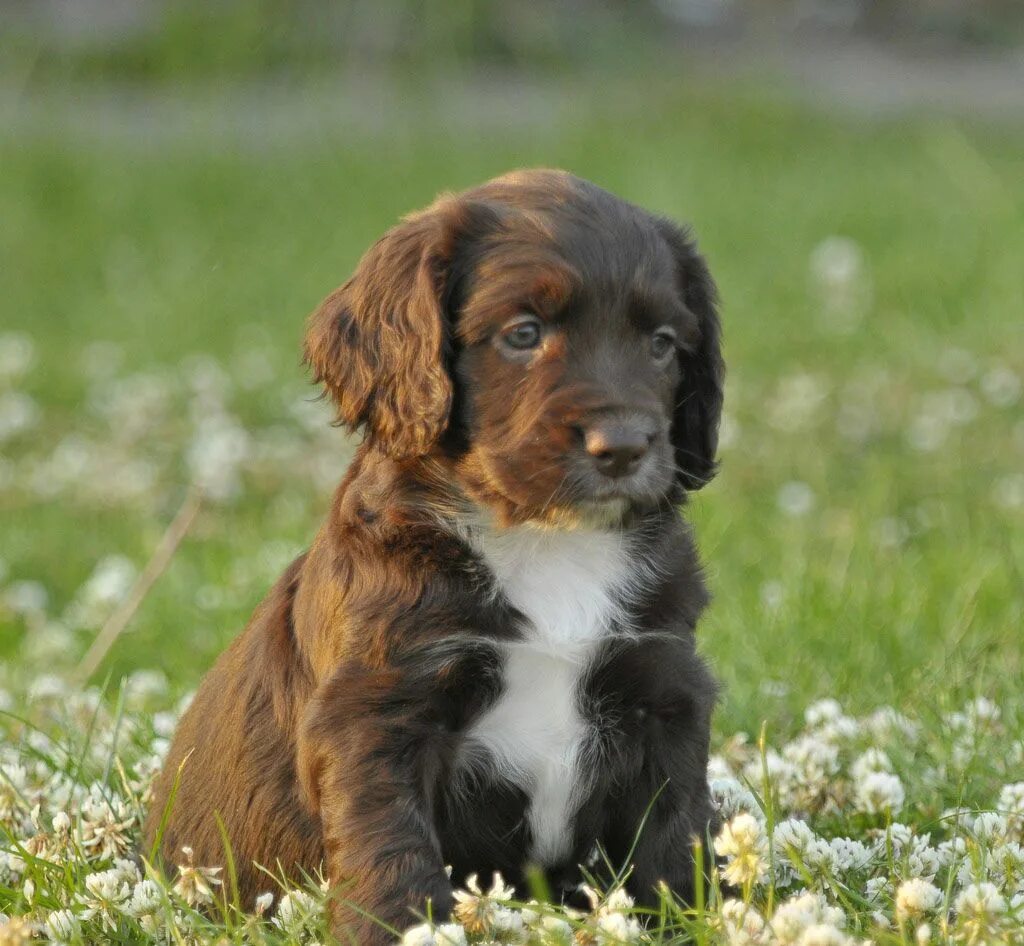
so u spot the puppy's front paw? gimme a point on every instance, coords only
(371, 925)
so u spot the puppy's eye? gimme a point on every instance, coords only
(522, 333)
(663, 342)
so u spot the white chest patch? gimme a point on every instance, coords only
(567, 584)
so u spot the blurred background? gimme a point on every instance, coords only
(182, 181)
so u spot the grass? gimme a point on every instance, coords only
(864, 539)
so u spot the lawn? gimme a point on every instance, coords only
(864, 540)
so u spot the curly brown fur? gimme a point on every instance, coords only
(511, 510)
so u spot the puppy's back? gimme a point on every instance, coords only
(234, 748)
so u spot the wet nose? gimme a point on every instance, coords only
(617, 448)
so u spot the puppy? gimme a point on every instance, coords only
(486, 659)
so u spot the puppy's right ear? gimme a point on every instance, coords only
(379, 342)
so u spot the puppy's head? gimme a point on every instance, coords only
(557, 346)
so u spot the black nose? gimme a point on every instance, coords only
(617, 448)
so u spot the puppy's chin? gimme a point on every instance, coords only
(588, 514)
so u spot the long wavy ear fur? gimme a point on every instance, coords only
(378, 343)
(699, 399)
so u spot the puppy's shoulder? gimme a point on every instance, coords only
(388, 572)
(675, 589)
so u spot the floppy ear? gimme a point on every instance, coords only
(378, 342)
(699, 398)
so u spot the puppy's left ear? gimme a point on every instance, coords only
(379, 344)
(699, 398)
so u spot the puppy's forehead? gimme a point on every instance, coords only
(606, 243)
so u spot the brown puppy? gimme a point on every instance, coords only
(486, 659)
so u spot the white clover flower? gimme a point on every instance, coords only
(16, 930)
(982, 710)
(839, 730)
(718, 768)
(506, 923)
(869, 762)
(742, 841)
(445, 934)
(917, 897)
(13, 786)
(1011, 806)
(793, 834)
(614, 927)
(557, 929)
(879, 792)
(887, 723)
(823, 934)
(795, 498)
(951, 851)
(815, 758)
(476, 910)
(849, 855)
(109, 583)
(900, 836)
(618, 899)
(731, 797)
(1008, 491)
(922, 859)
(264, 902)
(989, 828)
(742, 923)
(62, 926)
(801, 848)
(147, 898)
(1006, 864)
(106, 825)
(979, 909)
(18, 413)
(420, 935)
(822, 711)
(105, 898)
(295, 911)
(780, 772)
(877, 889)
(1001, 386)
(450, 934)
(17, 354)
(803, 912)
(839, 273)
(797, 403)
(27, 597)
(219, 448)
(195, 884)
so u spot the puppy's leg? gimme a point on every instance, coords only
(665, 805)
(664, 844)
(370, 753)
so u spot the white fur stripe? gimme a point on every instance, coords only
(568, 584)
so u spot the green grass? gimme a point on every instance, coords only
(188, 248)
(902, 583)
